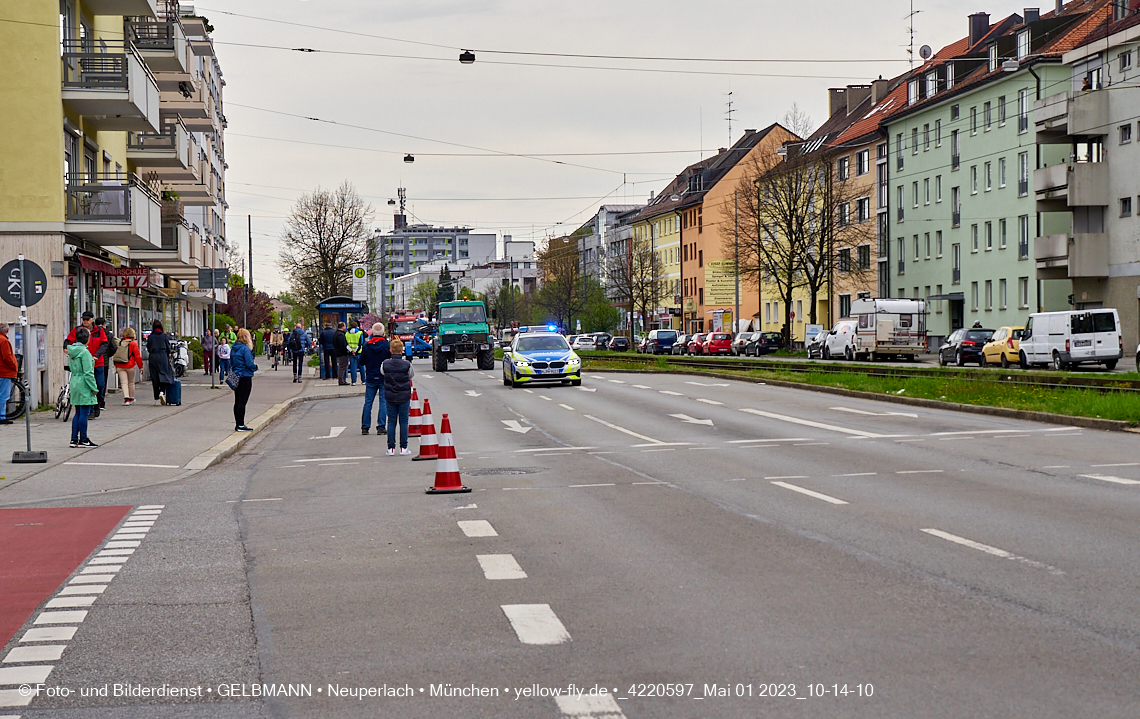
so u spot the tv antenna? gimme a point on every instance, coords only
(910, 32)
(729, 116)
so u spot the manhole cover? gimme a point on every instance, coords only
(502, 470)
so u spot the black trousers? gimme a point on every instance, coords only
(298, 363)
(329, 364)
(159, 387)
(241, 396)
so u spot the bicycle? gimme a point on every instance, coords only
(63, 402)
(17, 402)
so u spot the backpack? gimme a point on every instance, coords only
(123, 353)
(295, 341)
(110, 346)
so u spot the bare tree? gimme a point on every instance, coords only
(564, 292)
(798, 122)
(325, 235)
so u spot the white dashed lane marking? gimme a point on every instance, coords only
(809, 493)
(1106, 478)
(535, 624)
(566, 406)
(598, 706)
(990, 550)
(500, 566)
(477, 528)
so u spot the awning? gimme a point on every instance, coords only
(94, 265)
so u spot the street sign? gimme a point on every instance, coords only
(213, 278)
(359, 282)
(16, 288)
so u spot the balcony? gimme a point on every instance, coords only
(172, 153)
(201, 188)
(140, 8)
(161, 44)
(177, 254)
(191, 102)
(1061, 257)
(1060, 117)
(109, 211)
(112, 87)
(1061, 186)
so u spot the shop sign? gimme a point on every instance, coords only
(125, 278)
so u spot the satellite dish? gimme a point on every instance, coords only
(925, 52)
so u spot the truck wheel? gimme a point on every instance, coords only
(1110, 365)
(486, 360)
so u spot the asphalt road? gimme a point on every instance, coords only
(642, 536)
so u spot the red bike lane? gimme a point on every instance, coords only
(39, 548)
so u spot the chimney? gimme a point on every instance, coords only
(1032, 14)
(1060, 7)
(651, 196)
(836, 98)
(879, 89)
(856, 94)
(979, 26)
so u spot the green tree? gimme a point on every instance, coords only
(468, 294)
(424, 297)
(446, 289)
(599, 314)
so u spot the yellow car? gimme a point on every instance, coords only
(1003, 348)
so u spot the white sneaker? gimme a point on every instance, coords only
(162, 398)
(157, 402)
(404, 451)
(391, 453)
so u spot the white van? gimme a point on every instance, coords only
(889, 327)
(1067, 339)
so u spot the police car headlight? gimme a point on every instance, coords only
(521, 362)
(574, 361)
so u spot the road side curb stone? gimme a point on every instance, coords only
(1047, 417)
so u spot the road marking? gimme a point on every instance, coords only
(640, 386)
(1118, 464)
(709, 401)
(623, 429)
(811, 444)
(500, 566)
(1114, 480)
(616, 381)
(704, 384)
(84, 589)
(514, 426)
(69, 602)
(325, 459)
(334, 432)
(810, 423)
(856, 474)
(566, 406)
(910, 440)
(809, 493)
(589, 706)
(787, 439)
(468, 506)
(60, 617)
(36, 653)
(118, 464)
(952, 439)
(976, 431)
(528, 391)
(25, 675)
(337, 464)
(603, 484)
(49, 634)
(875, 414)
(473, 393)
(1012, 436)
(791, 476)
(671, 393)
(267, 499)
(989, 550)
(477, 528)
(1056, 466)
(667, 449)
(101, 569)
(550, 449)
(661, 444)
(919, 471)
(635, 484)
(692, 420)
(588, 389)
(535, 624)
(427, 376)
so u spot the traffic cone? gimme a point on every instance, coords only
(447, 478)
(429, 446)
(414, 415)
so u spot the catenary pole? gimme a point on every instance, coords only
(736, 259)
(249, 279)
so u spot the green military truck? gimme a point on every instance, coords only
(463, 334)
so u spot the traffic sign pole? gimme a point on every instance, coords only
(28, 457)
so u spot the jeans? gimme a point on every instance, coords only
(241, 396)
(159, 387)
(298, 364)
(328, 364)
(398, 412)
(79, 422)
(223, 367)
(101, 384)
(370, 393)
(5, 392)
(353, 366)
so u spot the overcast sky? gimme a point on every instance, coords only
(508, 108)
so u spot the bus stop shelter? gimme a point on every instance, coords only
(339, 309)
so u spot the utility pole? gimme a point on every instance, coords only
(249, 281)
(736, 258)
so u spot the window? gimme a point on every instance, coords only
(914, 141)
(950, 84)
(1023, 237)
(899, 150)
(902, 256)
(938, 246)
(926, 137)
(916, 252)
(862, 162)
(993, 53)
(799, 311)
(989, 176)
(974, 296)
(844, 262)
(926, 237)
(938, 188)
(931, 83)
(987, 116)
(1003, 295)
(863, 209)
(955, 206)
(1023, 293)
(938, 303)
(914, 192)
(973, 120)
(843, 168)
(1126, 134)
(955, 156)
(844, 305)
(844, 214)
(938, 133)
(989, 295)
(912, 92)
(864, 255)
(1001, 172)
(701, 263)
(953, 108)
(973, 179)
(902, 199)
(1125, 60)
(1023, 174)
(1022, 111)
(989, 236)
(1001, 234)
(700, 295)
(881, 183)
(973, 238)
(956, 258)
(1126, 207)
(926, 191)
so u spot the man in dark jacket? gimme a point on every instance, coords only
(298, 344)
(327, 339)
(340, 353)
(375, 351)
(398, 375)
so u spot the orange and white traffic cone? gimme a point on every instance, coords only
(414, 415)
(429, 445)
(447, 478)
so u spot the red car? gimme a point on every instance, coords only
(696, 344)
(717, 343)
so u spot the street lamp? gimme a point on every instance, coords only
(467, 57)
(408, 158)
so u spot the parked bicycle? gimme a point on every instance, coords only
(17, 401)
(63, 402)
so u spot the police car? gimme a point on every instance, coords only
(540, 354)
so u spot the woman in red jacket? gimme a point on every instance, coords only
(127, 360)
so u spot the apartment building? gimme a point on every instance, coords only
(961, 153)
(656, 229)
(112, 174)
(595, 236)
(1093, 120)
(408, 247)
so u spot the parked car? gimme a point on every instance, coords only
(583, 342)
(738, 343)
(660, 341)
(763, 343)
(814, 346)
(840, 340)
(695, 344)
(681, 346)
(964, 345)
(602, 340)
(619, 344)
(716, 343)
(1067, 339)
(1003, 347)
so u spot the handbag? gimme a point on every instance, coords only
(232, 380)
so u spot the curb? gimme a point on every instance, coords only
(1111, 425)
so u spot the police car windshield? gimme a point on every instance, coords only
(452, 315)
(541, 342)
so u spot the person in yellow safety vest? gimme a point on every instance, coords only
(355, 340)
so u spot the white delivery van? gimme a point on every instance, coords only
(889, 327)
(1064, 339)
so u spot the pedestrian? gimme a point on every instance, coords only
(229, 334)
(161, 373)
(244, 368)
(398, 375)
(354, 338)
(225, 349)
(298, 346)
(9, 368)
(84, 392)
(102, 355)
(208, 345)
(128, 360)
(340, 352)
(95, 342)
(375, 351)
(327, 340)
(265, 342)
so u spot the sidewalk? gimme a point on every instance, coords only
(143, 444)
